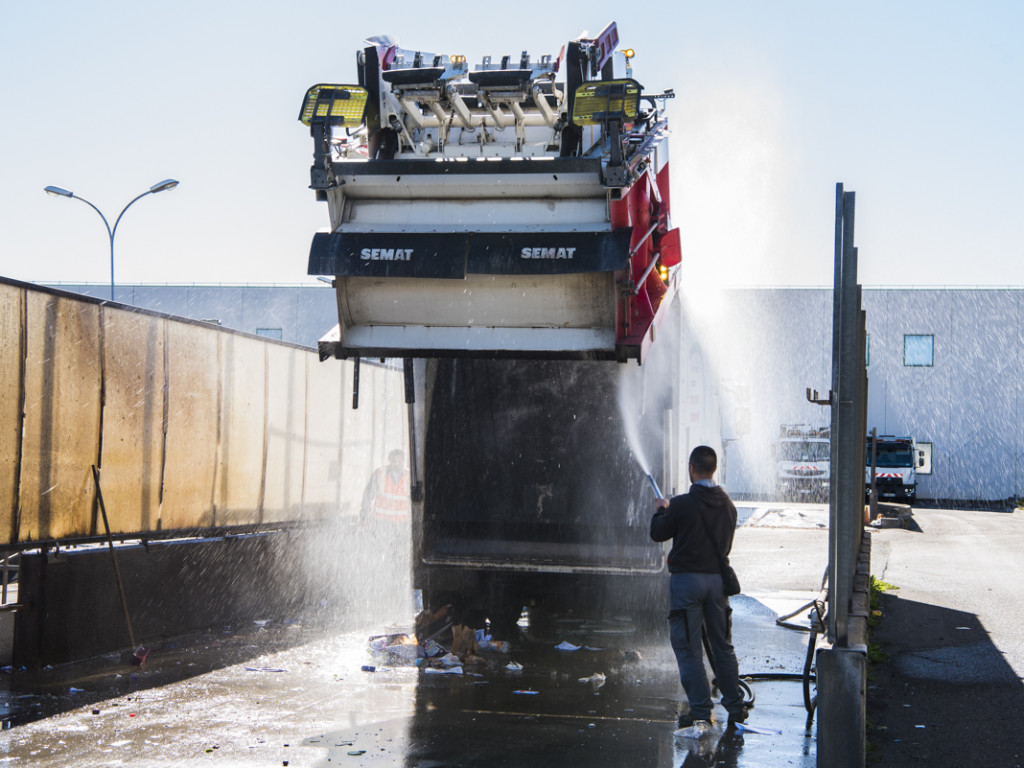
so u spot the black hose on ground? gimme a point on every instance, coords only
(815, 626)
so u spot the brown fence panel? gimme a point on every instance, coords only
(324, 434)
(242, 415)
(193, 386)
(133, 417)
(192, 426)
(12, 358)
(286, 418)
(62, 417)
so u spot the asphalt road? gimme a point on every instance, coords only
(949, 690)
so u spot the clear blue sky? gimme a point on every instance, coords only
(916, 106)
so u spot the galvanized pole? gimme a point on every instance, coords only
(841, 668)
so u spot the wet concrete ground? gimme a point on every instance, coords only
(311, 705)
(296, 695)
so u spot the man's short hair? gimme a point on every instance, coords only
(704, 460)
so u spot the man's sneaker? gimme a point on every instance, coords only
(738, 717)
(684, 721)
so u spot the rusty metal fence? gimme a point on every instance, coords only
(193, 427)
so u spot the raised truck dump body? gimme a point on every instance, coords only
(508, 228)
(495, 212)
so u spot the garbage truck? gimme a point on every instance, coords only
(802, 463)
(896, 461)
(505, 229)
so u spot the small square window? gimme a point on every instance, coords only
(270, 333)
(919, 350)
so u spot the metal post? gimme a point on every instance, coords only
(847, 425)
(415, 484)
(873, 495)
(842, 667)
(833, 486)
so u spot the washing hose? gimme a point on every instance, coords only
(815, 626)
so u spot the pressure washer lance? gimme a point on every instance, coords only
(654, 485)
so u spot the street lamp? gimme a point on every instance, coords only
(158, 187)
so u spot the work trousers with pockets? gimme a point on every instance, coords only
(698, 601)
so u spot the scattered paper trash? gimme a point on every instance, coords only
(76, 690)
(758, 729)
(565, 645)
(263, 669)
(526, 693)
(432, 648)
(514, 666)
(597, 679)
(497, 646)
(444, 671)
(368, 668)
(450, 660)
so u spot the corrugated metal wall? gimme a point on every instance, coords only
(772, 344)
(192, 426)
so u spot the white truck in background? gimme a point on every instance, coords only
(896, 462)
(802, 463)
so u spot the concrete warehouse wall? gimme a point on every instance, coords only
(770, 345)
(194, 426)
(969, 404)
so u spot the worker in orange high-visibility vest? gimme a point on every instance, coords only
(386, 497)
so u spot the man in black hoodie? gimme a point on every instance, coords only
(698, 523)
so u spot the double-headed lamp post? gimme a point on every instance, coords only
(159, 187)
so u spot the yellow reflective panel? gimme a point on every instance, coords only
(339, 104)
(604, 100)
